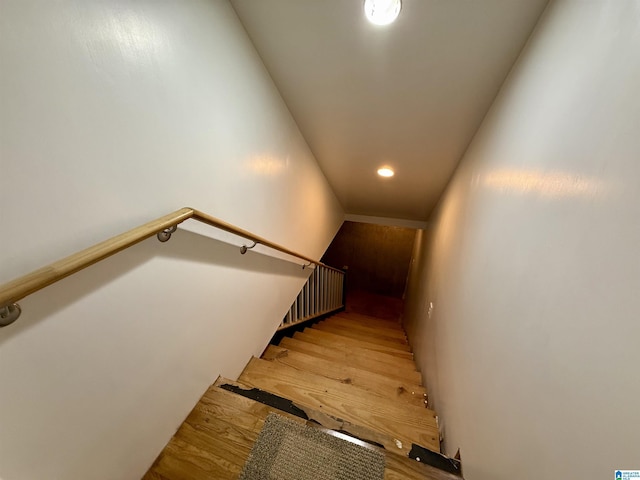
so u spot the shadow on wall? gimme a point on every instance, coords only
(184, 246)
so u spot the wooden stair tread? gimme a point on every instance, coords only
(397, 466)
(348, 344)
(195, 454)
(370, 320)
(181, 461)
(372, 382)
(395, 349)
(353, 373)
(364, 336)
(337, 344)
(153, 475)
(408, 424)
(354, 325)
(240, 419)
(340, 338)
(215, 439)
(350, 357)
(322, 418)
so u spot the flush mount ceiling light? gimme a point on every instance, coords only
(385, 172)
(382, 12)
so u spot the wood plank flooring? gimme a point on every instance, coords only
(353, 373)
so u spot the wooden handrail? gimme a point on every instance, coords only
(215, 222)
(30, 283)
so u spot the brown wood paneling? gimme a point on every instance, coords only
(377, 256)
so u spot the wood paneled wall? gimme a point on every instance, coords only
(377, 256)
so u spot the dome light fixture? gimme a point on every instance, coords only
(386, 172)
(382, 12)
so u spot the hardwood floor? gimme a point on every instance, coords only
(351, 373)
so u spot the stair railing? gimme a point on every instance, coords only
(15, 290)
(323, 293)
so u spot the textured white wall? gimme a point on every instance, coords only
(112, 114)
(533, 263)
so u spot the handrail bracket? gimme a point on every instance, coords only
(165, 234)
(244, 248)
(9, 314)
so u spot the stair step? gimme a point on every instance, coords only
(154, 476)
(328, 423)
(348, 344)
(215, 439)
(408, 424)
(352, 373)
(374, 383)
(368, 337)
(365, 361)
(399, 468)
(214, 449)
(181, 460)
(360, 343)
(371, 321)
(220, 403)
(356, 325)
(238, 420)
(321, 418)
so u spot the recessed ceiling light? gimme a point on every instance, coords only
(382, 12)
(385, 172)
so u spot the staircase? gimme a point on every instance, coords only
(350, 373)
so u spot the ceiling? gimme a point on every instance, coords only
(410, 95)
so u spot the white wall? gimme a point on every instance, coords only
(533, 262)
(112, 114)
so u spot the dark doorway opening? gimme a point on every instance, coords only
(377, 258)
